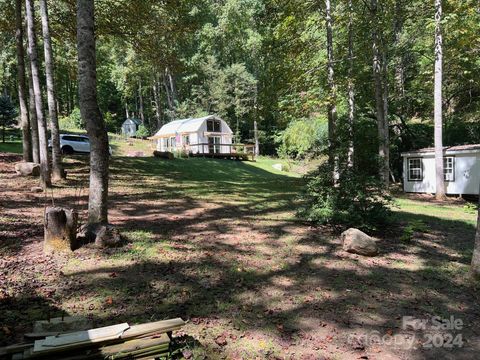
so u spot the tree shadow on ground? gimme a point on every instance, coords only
(220, 252)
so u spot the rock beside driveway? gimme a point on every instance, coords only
(27, 168)
(357, 242)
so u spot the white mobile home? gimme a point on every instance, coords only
(461, 170)
(206, 135)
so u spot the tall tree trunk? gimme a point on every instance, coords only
(170, 91)
(87, 93)
(351, 88)
(67, 90)
(255, 134)
(386, 134)
(126, 111)
(437, 113)
(33, 116)
(332, 98)
(399, 61)
(476, 246)
(42, 126)
(57, 170)
(140, 102)
(22, 90)
(379, 99)
(156, 99)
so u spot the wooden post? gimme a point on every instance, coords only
(60, 230)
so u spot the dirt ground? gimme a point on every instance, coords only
(252, 282)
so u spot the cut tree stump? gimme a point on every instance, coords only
(60, 230)
(27, 169)
(103, 235)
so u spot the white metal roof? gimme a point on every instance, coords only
(448, 150)
(132, 121)
(187, 126)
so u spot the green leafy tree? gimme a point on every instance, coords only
(7, 113)
(142, 131)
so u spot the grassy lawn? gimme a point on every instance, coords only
(216, 242)
(11, 147)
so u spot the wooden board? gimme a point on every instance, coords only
(62, 324)
(136, 344)
(135, 331)
(144, 330)
(75, 339)
(14, 348)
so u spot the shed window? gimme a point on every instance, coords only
(415, 170)
(186, 140)
(449, 168)
(213, 126)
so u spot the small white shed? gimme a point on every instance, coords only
(130, 127)
(461, 170)
(206, 135)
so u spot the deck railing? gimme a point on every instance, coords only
(217, 149)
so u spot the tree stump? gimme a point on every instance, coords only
(103, 235)
(27, 169)
(60, 230)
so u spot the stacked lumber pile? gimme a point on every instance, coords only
(121, 341)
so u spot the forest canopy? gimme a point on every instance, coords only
(266, 61)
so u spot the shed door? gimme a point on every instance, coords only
(213, 144)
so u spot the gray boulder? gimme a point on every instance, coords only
(27, 169)
(278, 167)
(357, 242)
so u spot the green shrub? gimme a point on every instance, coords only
(413, 227)
(303, 137)
(142, 131)
(181, 154)
(470, 208)
(72, 122)
(110, 122)
(358, 200)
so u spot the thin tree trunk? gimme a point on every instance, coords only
(33, 116)
(72, 94)
(126, 111)
(22, 90)
(173, 88)
(169, 84)
(42, 126)
(67, 89)
(476, 246)
(386, 127)
(167, 91)
(351, 89)
(57, 170)
(255, 134)
(140, 102)
(156, 98)
(332, 108)
(437, 114)
(399, 62)
(379, 100)
(87, 93)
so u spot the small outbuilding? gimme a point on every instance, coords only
(205, 135)
(461, 170)
(130, 127)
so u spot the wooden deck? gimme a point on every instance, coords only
(232, 156)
